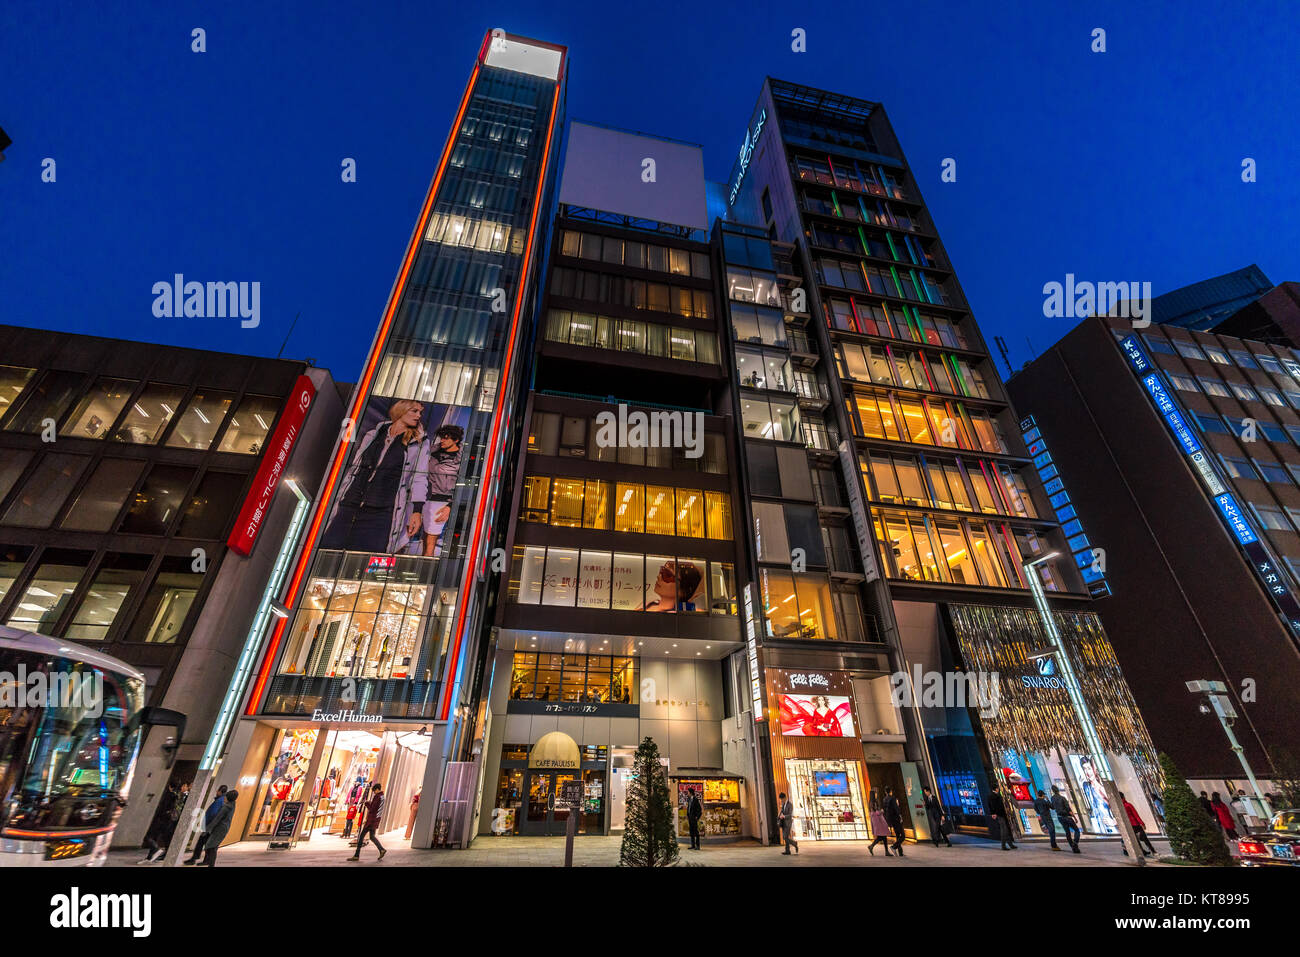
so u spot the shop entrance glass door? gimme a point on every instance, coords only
(543, 817)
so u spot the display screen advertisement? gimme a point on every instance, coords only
(831, 783)
(672, 586)
(820, 716)
(814, 703)
(395, 494)
(1098, 812)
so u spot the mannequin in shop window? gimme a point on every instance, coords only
(415, 807)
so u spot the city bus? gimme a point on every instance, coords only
(71, 720)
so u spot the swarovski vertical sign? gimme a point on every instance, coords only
(746, 151)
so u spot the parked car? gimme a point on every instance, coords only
(1279, 845)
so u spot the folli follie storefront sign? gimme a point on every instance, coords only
(555, 751)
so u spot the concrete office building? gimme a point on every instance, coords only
(1181, 452)
(136, 530)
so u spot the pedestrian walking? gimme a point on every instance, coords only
(879, 828)
(168, 815)
(894, 818)
(209, 816)
(935, 817)
(1209, 808)
(219, 829)
(1001, 826)
(786, 822)
(1223, 814)
(370, 824)
(694, 811)
(1043, 808)
(1139, 828)
(1065, 814)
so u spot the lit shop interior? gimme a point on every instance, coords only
(817, 754)
(333, 772)
(1035, 740)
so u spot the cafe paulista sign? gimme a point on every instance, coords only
(555, 751)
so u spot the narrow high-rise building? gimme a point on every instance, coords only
(906, 589)
(367, 677)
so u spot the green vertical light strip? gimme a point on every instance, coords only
(866, 217)
(862, 237)
(835, 201)
(914, 320)
(956, 374)
(892, 248)
(898, 286)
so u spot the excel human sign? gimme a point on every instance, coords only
(1230, 511)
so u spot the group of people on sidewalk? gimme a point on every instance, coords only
(887, 820)
(218, 817)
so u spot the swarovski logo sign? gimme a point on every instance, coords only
(746, 151)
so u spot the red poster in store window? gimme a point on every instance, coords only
(275, 457)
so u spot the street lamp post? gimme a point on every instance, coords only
(1081, 710)
(1217, 700)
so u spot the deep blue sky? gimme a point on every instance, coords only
(225, 165)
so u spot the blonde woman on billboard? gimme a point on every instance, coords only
(377, 509)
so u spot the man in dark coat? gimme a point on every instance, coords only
(218, 830)
(1066, 815)
(209, 816)
(894, 818)
(935, 816)
(1043, 808)
(1001, 826)
(694, 811)
(370, 825)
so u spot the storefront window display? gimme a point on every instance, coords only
(528, 800)
(827, 797)
(720, 800)
(284, 777)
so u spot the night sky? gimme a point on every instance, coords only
(1123, 165)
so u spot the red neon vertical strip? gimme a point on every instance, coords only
(359, 398)
(506, 368)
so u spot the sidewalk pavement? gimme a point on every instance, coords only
(602, 851)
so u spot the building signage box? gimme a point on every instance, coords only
(274, 459)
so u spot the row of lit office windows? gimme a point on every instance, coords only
(579, 437)
(627, 507)
(906, 323)
(631, 335)
(900, 284)
(639, 255)
(964, 485)
(924, 421)
(919, 547)
(631, 293)
(123, 410)
(883, 365)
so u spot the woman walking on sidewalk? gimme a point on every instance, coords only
(879, 829)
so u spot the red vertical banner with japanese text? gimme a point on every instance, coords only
(269, 473)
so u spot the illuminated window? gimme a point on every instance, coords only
(629, 511)
(537, 499)
(986, 558)
(98, 410)
(566, 504)
(595, 509)
(960, 564)
(659, 510)
(690, 513)
(718, 515)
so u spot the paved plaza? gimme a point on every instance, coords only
(599, 851)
